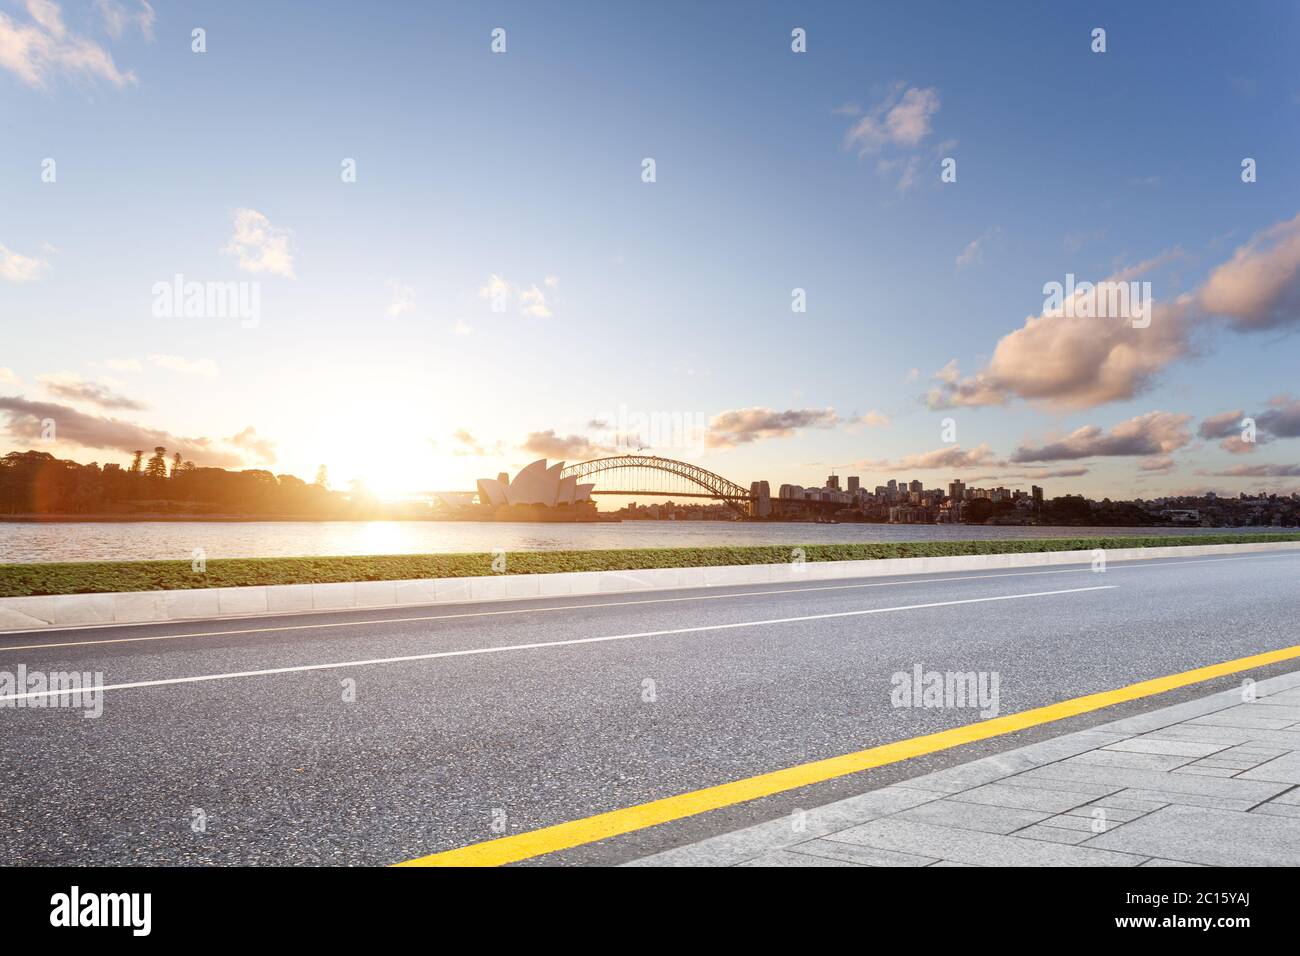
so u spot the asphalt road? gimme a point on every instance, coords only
(539, 723)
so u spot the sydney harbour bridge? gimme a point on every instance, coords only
(661, 477)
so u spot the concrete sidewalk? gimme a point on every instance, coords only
(1210, 782)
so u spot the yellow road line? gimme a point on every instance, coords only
(564, 836)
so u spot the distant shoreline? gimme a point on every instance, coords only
(514, 519)
(300, 519)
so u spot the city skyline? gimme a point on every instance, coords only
(466, 276)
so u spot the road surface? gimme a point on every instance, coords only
(499, 719)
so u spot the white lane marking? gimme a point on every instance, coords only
(526, 647)
(911, 579)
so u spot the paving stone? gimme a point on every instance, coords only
(861, 855)
(1067, 821)
(784, 858)
(1149, 761)
(951, 863)
(1024, 798)
(1291, 796)
(1284, 697)
(1209, 771)
(973, 846)
(1278, 809)
(1289, 699)
(1286, 739)
(1272, 710)
(1054, 834)
(1121, 802)
(1245, 721)
(1285, 769)
(971, 816)
(1114, 814)
(1138, 778)
(1262, 753)
(1213, 837)
(1192, 799)
(1186, 748)
(1069, 786)
(1201, 733)
(1169, 863)
(1232, 763)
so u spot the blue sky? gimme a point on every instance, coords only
(377, 352)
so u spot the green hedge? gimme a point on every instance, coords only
(18, 580)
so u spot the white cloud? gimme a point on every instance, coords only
(973, 254)
(953, 456)
(118, 18)
(901, 119)
(1259, 287)
(18, 268)
(1154, 435)
(403, 298)
(7, 376)
(896, 125)
(38, 49)
(1071, 362)
(178, 363)
(741, 426)
(71, 386)
(874, 419)
(531, 301)
(260, 246)
(462, 327)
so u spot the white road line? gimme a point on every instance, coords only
(911, 579)
(31, 695)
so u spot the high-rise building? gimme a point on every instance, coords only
(957, 490)
(916, 486)
(760, 499)
(853, 484)
(833, 481)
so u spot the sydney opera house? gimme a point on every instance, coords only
(536, 486)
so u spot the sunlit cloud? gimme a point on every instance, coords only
(1153, 434)
(20, 268)
(38, 49)
(26, 422)
(548, 444)
(1074, 362)
(742, 426)
(70, 386)
(260, 246)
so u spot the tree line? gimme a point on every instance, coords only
(37, 483)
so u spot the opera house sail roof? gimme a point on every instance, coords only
(535, 484)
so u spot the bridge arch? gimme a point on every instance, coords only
(711, 485)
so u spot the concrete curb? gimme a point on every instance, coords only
(144, 607)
